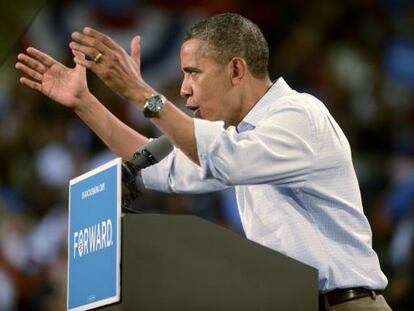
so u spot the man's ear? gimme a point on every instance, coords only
(238, 70)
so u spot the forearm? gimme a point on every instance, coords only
(117, 136)
(174, 123)
(179, 127)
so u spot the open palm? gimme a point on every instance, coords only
(64, 85)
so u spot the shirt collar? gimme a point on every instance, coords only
(279, 89)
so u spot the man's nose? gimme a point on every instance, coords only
(185, 90)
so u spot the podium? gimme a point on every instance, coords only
(181, 262)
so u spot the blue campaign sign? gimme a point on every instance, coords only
(94, 238)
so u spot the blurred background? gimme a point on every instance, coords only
(356, 56)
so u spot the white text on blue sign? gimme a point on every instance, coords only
(93, 238)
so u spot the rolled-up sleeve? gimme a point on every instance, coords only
(280, 150)
(177, 173)
(156, 176)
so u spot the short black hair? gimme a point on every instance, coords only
(231, 35)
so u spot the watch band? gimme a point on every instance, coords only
(149, 113)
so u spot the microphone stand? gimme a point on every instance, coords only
(130, 190)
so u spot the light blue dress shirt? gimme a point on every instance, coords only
(296, 188)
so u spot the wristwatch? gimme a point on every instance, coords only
(153, 105)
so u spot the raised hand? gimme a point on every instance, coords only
(64, 85)
(112, 64)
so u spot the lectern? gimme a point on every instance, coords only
(181, 262)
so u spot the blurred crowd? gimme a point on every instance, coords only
(357, 56)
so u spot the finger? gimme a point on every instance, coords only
(80, 60)
(111, 44)
(81, 56)
(85, 50)
(29, 72)
(88, 41)
(30, 83)
(78, 54)
(32, 63)
(136, 49)
(42, 57)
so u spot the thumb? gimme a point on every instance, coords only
(136, 49)
(80, 57)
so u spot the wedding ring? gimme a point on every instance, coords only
(97, 58)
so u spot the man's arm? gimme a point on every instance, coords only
(178, 126)
(122, 74)
(68, 87)
(120, 138)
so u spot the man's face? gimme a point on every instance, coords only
(206, 83)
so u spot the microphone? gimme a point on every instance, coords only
(149, 154)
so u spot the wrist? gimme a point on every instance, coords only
(139, 96)
(82, 102)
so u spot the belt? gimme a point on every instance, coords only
(342, 295)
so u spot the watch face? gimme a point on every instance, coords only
(153, 105)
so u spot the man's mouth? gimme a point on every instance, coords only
(197, 113)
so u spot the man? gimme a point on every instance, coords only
(287, 158)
